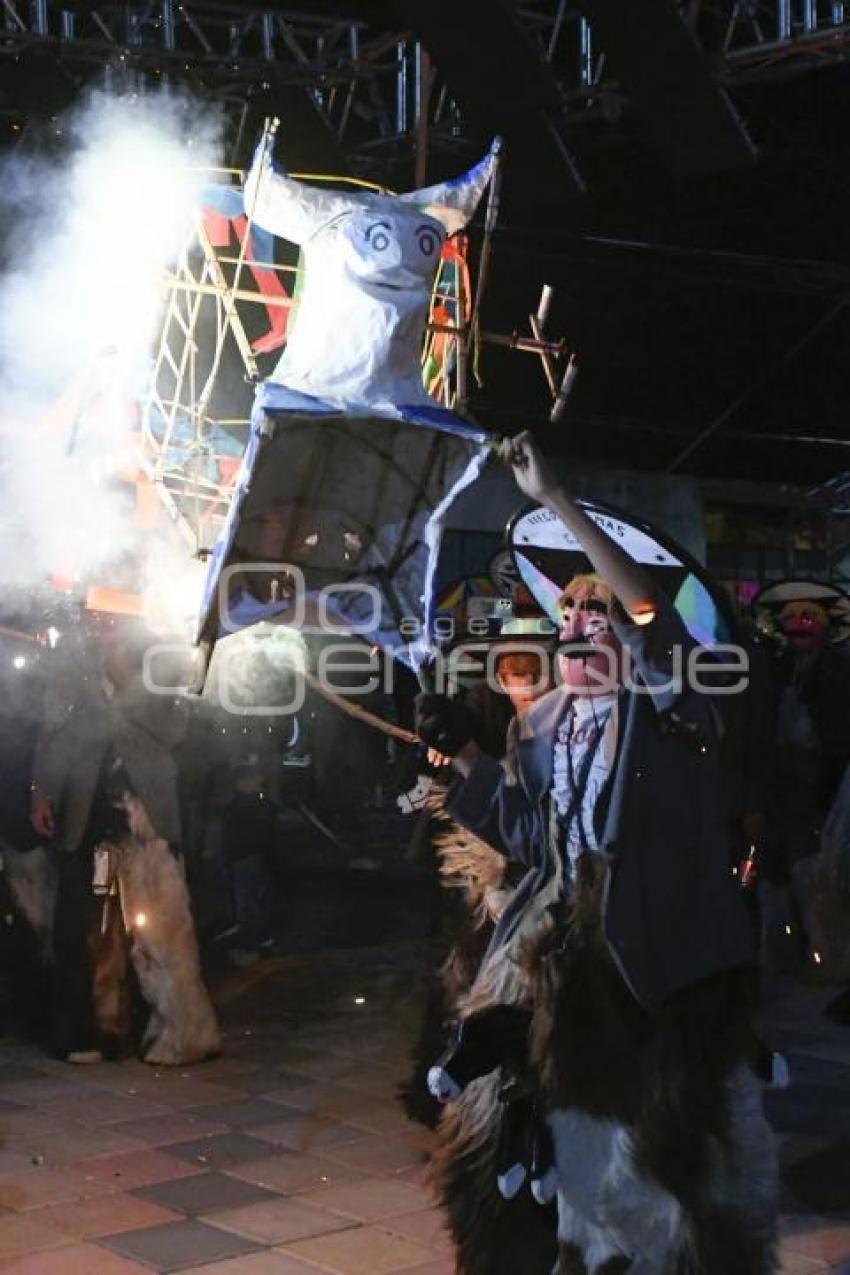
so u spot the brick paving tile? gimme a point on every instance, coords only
(266, 1263)
(103, 1215)
(27, 1122)
(279, 1221)
(264, 1080)
(103, 1106)
(241, 1114)
(302, 1131)
(74, 1259)
(184, 1089)
(425, 1226)
(43, 1088)
(204, 1193)
(826, 1240)
(377, 1154)
(15, 1163)
(78, 1143)
(269, 1052)
(220, 1150)
(794, 1264)
(18, 1235)
(38, 1187)
(371, 1200)
(14, 1074)
(419, 1173)
(303, 1095)
(319, 1065)
(178, 1244)
(442, 1266)
(375, 1115)
(141, 1168)
(294, 1173)
(174, 1126)
(227, 1070)
(364, 1251)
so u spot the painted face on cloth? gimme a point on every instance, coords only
(589, 651)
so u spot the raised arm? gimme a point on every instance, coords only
(629, 582)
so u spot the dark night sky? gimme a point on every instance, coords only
(699, 303)
(724, 277)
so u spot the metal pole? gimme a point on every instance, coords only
(38, 9)
(167, 23)
(424, 81)
(401, 90)
(556, 30)
(586, 53)
(240, 131)
(354, 48)
(267, 31)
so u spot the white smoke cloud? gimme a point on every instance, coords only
(79, 307)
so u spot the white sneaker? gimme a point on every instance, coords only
(82, 1056)
(543, 1189)
(510, 1182)
(442, 1086)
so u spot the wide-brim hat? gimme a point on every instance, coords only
(521, 629)
(832, 598)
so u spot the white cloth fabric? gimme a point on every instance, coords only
(580, 739)
(369, 264)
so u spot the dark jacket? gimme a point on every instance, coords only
(673, 913)
(79, 726)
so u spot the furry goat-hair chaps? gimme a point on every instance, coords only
(666, 1165)
(492, 1236)
(163, 949)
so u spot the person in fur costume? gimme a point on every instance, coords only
(477, 885)
(104, 796)
(616, 993)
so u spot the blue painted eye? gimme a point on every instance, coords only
(377, 236)
(427, 241)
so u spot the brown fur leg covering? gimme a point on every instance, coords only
(110, 993)
(468, 868)
(182, 1028)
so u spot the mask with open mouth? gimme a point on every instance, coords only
(804, 623)
(589, 650)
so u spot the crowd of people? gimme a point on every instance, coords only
(631, 850)
(136, 828)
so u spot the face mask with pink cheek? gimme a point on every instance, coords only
(586, 621)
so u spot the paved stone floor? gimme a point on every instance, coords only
(290, 1156)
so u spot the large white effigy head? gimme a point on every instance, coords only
(369, 262)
